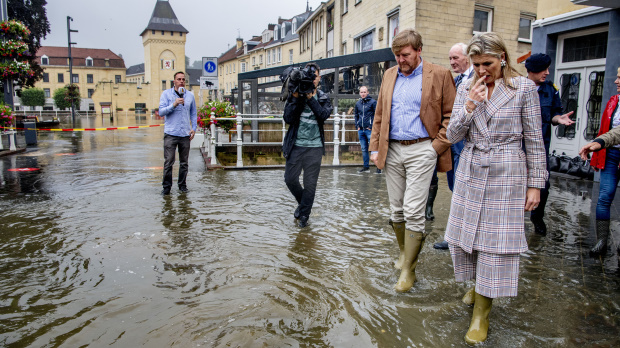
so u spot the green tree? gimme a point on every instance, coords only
(33, 97)
(64, 95)
(34, 15)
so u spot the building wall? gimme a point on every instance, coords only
(98, 73)
(549, 8)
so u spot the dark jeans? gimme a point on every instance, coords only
(170, 145)
(455, 149)
(307, 159)
(609, 183)
(364, 136)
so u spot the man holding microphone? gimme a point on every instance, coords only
(179, 108)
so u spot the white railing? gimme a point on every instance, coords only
(340, 122)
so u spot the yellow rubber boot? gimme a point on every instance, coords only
(469, 297)
(413, 245)
(399, 231)
(480, 320)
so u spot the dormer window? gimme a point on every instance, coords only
(45, 60)
(89, 61)
(294, 22)
(283, 33)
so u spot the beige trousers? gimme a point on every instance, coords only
(408, 173)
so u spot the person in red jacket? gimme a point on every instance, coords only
(607, 161)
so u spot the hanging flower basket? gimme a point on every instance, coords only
(13, 69)
(6, 117)
(12, 48)
(14, 28)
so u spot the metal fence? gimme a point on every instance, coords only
(343, 129)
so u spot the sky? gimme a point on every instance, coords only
(117, 24)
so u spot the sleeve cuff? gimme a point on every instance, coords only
(600, 141)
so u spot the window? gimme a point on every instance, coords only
(90, 92)
(290, 56)
(268, 57)
(253, 61)
(46, 77)
(294, 25)
(75, 78)
(344, 48)
(117, 78)
(260, 59)
(47, 92)
(483, 19)
(89, 78)
(171, 84)
(61, 78)
(163, 85)
(273, 55)
(525, 27)
(152, 31)
(172, 33)
(364, 42)
(345, 6)
(89, 61)
(393, 29)
(283, 33)
(162, 32)
(180, 33)
(242, 67)
(45, 60)
(587, 47)
(234, 67)
(279, 54)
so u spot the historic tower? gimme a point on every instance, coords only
(164, 50)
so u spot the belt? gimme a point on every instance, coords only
(410, 142)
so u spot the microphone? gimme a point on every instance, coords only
(182, 92)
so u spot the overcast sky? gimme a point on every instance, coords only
(212, 25)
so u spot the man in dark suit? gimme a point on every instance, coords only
(409, 139)
(464, 70)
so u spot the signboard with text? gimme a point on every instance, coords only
(209, 66)
(208, 82)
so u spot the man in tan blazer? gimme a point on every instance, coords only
(408, 139)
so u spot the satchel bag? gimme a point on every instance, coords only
(575, 166)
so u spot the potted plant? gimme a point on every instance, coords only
(221, 109)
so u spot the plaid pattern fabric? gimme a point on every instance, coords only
(494, 172)
(496, 275)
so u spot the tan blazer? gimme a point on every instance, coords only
(437, 98)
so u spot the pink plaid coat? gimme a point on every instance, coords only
(488, 202)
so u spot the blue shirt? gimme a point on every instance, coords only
(405, 122)
(181, 120)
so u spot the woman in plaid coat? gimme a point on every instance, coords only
(496, 181)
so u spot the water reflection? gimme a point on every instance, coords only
(93, 256)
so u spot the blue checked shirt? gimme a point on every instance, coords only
(405, 122)
(181, 120)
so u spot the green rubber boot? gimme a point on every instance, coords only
(470, 297)
(399, 231)
(413, 245)
(479, 326)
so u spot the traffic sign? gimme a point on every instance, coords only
(208, 82)
(209, 66)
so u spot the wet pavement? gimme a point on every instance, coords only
(92, 256)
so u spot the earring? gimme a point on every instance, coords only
(503, 63)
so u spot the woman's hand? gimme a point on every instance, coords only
(477, 94)
(532, 198)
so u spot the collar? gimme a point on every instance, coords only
(417, 71)
(468, 72)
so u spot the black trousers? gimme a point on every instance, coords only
(307, 159)
(171, 143)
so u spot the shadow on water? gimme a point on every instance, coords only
(92, 255)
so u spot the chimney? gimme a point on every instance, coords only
(239, 43)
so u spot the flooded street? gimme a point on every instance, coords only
(91, 255)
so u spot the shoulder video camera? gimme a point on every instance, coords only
(297, 80)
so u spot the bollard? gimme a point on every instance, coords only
(336, 140)
(212, 147)
(30, 133)
(239, 140)
(12, 145)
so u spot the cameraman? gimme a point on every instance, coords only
(304, 143)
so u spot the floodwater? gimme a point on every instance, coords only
(92, 256)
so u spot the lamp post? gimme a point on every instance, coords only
(8, 83)
(69, 31)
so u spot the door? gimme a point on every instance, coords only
(581, 91)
